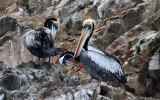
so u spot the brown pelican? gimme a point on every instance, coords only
(40, 42)
(99, 64)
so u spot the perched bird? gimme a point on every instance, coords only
(40, 42)
(98, 64)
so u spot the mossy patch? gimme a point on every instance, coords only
(132, 42)
(156, 24)
(159, 67)
(158, 38)
(142, 41)
(157, 44)
(155, 48)
(5, 77)
(138, 50)
(143, 74)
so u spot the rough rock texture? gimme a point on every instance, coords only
(128, 29)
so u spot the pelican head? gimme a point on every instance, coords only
(53, 24)
(64, 59)
(88, 27)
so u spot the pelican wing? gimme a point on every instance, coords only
(108, 63)
(52, 51)
(31, 41)
(45, 34)
(107, 54)
(94, 49)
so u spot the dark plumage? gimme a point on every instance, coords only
(40, 42)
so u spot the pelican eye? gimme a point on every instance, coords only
(54, 25)
(87, 26)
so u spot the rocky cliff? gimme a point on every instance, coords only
(128, 29)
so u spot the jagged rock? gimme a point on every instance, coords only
(81, 95)
(152, 86)
(39, 6)
(16, 95)
(110, 33)
(154, 66)
(11, 82)
(5, 4)
(133, 17)
(116, 27)
(2, 93)
(136, 49)
(19, 13)
(100, 97)
(12, 8)
(74, 24)
(156, 5)
(4, 39)
(7, 24)
(103, 9)
(55, 2)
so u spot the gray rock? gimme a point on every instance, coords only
(5, 38)
(2, 93)
(156, 5)
(116, 27)
(103, 9)
(7, 24)
(154, 66)
(133, 17)
(74, 23)
(23, 28)
(100, 97)
(81, 95)
(68, 96)
(18, 95)
(11, 9)
(11, 82)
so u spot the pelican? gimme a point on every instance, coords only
(98, 64)
(40, 42)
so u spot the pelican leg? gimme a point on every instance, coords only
(38, 62)
(121, 85)
(49, 60)
(91, 79)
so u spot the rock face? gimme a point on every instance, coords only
(128, 29)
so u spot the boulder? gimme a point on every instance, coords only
(7, 24)
(154, 66)
(11, 82)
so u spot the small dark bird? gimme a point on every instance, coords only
(40, 42)
(98, 64)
